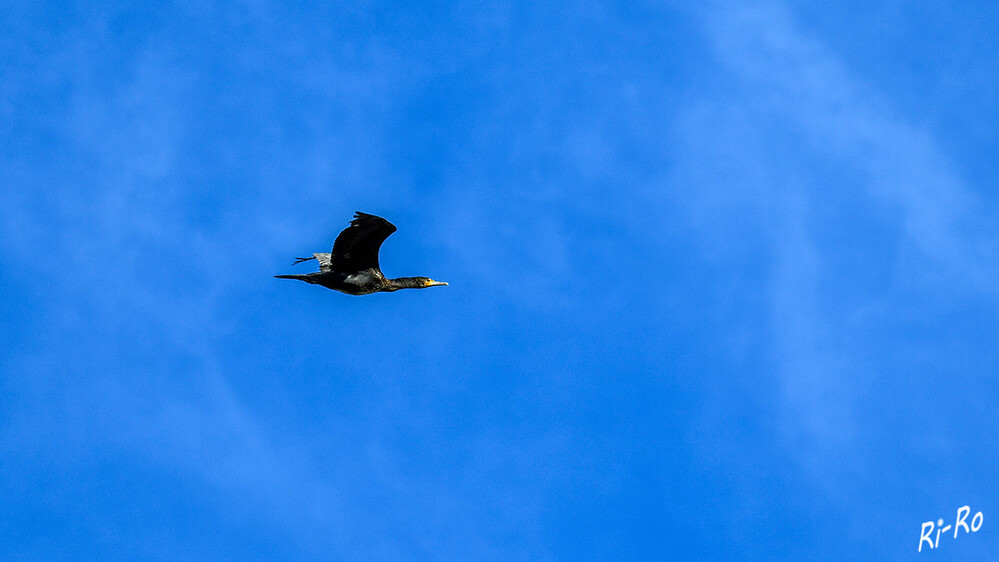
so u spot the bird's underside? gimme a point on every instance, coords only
(360, 283)
(352, 266)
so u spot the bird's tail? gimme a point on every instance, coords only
(300, 260)
(307, 277)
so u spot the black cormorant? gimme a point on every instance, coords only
(352, 266)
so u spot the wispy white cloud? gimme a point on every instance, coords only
(106, 208)
(797, 79)
(787, 96)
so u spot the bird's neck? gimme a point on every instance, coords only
(405, 283)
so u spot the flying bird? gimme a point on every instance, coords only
(352, 266)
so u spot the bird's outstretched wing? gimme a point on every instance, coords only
(356, 248)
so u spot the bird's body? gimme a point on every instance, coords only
(352, 266)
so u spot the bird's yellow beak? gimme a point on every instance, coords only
(432, 283)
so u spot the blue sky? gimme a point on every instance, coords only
(722, 280)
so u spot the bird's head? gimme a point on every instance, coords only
(428, 282)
